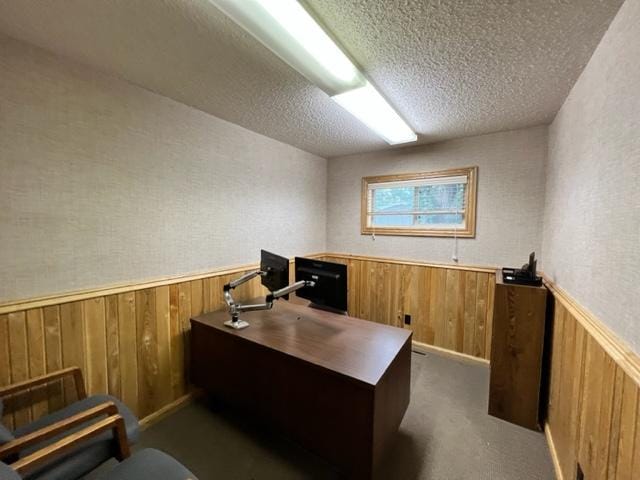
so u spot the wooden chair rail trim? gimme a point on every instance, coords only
(66, 297)
(398, 261)
(68, 443)
(617, 349)
(47, 378)
(21, 443)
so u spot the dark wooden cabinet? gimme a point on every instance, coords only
(516, 352)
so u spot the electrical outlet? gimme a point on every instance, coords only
(407, 319)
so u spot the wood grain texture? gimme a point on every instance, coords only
(593, 413)
(133, 341)
(362, 369)
(516, 352)
(450, 308)
(580, 411)
(130, 344)
(5, 361)
(37, 361)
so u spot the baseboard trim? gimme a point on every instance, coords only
(443, 352)
(169, 409)
(552, 450)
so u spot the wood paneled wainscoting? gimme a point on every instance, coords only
(130, 341)
(451, 306)
(593, 412)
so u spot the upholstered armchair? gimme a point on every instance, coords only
(70, 442)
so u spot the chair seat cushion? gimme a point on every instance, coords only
(8, 473)
(92, 453)
(5, 435)
(149, 464)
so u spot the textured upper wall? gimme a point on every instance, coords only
(102, 182)
(592, 213)
(452, 68)
(510, 198)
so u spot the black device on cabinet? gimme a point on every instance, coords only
(525, 275)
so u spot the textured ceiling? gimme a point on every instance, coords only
(452, 68)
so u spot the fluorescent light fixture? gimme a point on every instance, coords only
(289, 31)
(368, 106)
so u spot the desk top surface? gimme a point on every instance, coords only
(359, 349)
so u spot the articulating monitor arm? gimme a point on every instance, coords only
(235, 308)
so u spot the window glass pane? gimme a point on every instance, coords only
(441, 197)
(391, 220)
(421, 204)
(436, 219)
(399, 199)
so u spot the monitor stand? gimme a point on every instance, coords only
(237, 325)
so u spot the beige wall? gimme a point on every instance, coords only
(103, 182)
(592, 214)
(510, 198)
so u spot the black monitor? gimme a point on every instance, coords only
(330, 289)
(277, 271)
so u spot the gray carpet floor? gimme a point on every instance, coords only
(446, 434)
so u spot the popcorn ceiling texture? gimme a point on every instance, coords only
(591, 242)
(103, 182)
(452, 68)
(510, 198)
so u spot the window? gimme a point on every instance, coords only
(439, 204)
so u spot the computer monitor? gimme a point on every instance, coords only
(330, 289)
(277, 271)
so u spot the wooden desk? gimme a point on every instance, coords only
(337, 385)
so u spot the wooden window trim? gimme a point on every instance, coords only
(470, 201)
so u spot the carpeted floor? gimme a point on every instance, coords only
(446, 434)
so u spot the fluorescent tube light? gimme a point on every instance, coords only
(288, 30)
(368, 106)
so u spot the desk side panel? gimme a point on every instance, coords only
(392, 395)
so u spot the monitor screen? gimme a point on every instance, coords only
(277, 271)
(330, 289)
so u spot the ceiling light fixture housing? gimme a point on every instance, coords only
(289, 31)
(368, 106)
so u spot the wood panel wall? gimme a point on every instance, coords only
(451, 307)
(132, 344)
(593, 411)
(132, 341)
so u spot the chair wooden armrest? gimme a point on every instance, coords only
(73, 440)
(49, 377)
(26, 441)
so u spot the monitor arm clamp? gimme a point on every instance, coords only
(235, 308)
